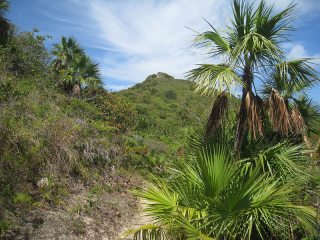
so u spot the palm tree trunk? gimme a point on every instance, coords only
(242, 118)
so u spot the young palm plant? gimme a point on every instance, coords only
(251, 51)
(211, 197)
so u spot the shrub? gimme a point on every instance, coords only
(141, 109)
(170, 94)
(112, 109)
(144, 123)
(153, 91)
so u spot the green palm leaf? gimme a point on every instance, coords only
(210, 78)
(299, 73)
(218, 44)
(211, 197)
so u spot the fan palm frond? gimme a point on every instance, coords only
(274, 27)
(299, 73)
(146, 232)
(4, 6)
(210, 78)
(283, 160)
(211, 197)
(310, 113)
(218, 44)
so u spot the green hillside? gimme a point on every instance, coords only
(159, 160)
(167, 107)
(167, 110)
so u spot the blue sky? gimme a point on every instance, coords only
(132, 39)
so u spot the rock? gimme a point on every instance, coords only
(76, 91)
(43, 182)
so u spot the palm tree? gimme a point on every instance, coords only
(211, 197)
(77, 69)
(65, 52)
(251, 49)
(4, 23)
(303, 116)
(85, 72)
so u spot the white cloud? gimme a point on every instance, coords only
(138, 38)
(152, 36)
(298, 51)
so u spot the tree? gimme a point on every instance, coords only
(251, 49)
(211, 197)
(303, 116)
(75, 67)
(65, 52)
(4, 23)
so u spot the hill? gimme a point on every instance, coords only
(167, 107)
(167, 110)
(61, 156)
(76, 156)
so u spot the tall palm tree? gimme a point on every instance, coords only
(4, 23)
(251, 49)
(77, 69)
(210, 197)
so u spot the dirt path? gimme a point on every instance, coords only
(138, 220)
(84, 216)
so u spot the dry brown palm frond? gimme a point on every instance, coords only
(219, 110)
(254, 108)
(297, 121)
(279, 114)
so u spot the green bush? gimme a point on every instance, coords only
(170, 94)
(145, 123)
(141, 109)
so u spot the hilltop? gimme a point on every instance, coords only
(167, 107)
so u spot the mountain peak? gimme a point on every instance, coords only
(159, 75)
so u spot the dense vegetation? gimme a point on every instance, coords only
(235, 169)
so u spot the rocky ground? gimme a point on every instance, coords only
(87, 213)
